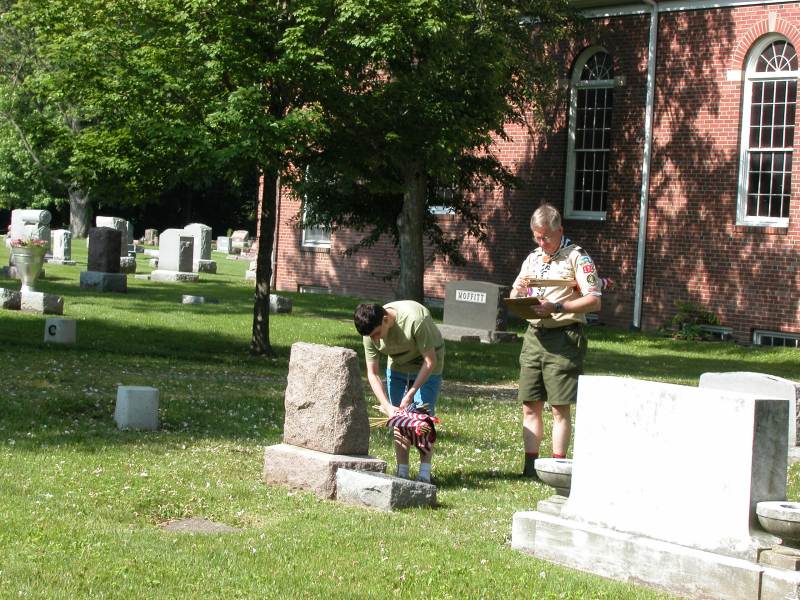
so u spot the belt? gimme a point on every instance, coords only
(539, 326)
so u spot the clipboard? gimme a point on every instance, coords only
(522, 307)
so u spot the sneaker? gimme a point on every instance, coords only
(429, 480)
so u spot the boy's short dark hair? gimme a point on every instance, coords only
(367, 317)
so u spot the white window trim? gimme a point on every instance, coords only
(312, 243)
(575, 85)
(751, 75)
(758, 334)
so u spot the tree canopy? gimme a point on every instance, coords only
(416, 128)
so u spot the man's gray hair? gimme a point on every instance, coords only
(546, 215)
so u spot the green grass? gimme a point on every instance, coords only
(80, 501)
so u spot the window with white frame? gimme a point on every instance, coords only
(768, 120)
(315, 236)
(589, 140)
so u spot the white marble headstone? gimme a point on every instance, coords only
(175, 251)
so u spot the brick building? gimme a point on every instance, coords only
(680, 112)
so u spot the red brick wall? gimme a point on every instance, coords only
(694, 252)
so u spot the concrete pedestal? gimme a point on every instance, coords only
(137, 407)
(312, 470)
(104, 282)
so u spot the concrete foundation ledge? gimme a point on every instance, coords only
(663, 565)
(381, 491)
(164, 275)
(305, 469)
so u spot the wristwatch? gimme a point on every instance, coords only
(558, 307)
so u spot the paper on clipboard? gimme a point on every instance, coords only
(522, 307)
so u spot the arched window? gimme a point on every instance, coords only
(768, 118)
(589, 142)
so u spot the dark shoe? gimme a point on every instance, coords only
(529, 470)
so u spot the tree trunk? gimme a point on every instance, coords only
(259, 343)
(80, 212)
(411, 285)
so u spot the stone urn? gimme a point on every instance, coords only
(28, 261)
(555, 472)
(781, 519)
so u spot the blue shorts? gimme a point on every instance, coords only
(397, 383)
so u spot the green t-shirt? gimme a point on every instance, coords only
(412, 333)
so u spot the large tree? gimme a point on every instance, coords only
(100, 103)
(416, 129)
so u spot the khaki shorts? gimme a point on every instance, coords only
(549, 364)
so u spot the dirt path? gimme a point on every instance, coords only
(463, 390)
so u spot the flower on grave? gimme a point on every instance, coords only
(27, 243)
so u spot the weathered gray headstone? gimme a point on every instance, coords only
(279, 304)
(29, 224)
(104, 253)
(127, 264)
(381, 491)
(61, 244)
(120, 225)
(765, 386)
(223, 244)
(175, 251)
(306, 469)
(240, 240)
(474, 308)
(325, 406)
(151, 237)
(202, 240)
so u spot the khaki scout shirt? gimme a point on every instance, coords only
(412, 334)
(571, 262)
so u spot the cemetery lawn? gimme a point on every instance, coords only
(82, 504)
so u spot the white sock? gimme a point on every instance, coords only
(425, 472)
(402, 471)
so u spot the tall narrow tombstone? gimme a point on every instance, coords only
(61, 247)
(151, 237)
(201, 260)
(103, 272)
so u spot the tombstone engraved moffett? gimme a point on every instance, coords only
(326, 425)
(665, 483)
(103, 272)
(475, 308)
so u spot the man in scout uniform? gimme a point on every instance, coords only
(406, 333)
(554, 345)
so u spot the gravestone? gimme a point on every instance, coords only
(48, 304)
(224, 244)
(382, 491)
(240, 241)
(137, 407)
(325, 407)
(61, 247)
(201, 259)
(475, 308)
(120, 225)
(103, 274)
(150, 237)
(29, 224)
(765, 386)
(665, 483)
(60, 331)
(175, 257)
(104, 244)
(326, 425)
